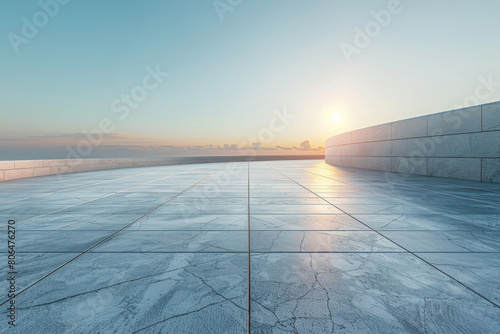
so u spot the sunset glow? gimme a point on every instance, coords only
(336, 118)
(181, 77)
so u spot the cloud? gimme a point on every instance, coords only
(306, 145)
(284, 148)
(123, 145)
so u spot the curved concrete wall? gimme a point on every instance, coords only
(461, 144)
(10, 170)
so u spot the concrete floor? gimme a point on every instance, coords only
(331, 251)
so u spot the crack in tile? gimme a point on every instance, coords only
(177, 316)
(214, 291)
(111, 286)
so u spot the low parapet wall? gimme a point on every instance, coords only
(461, 144)
(10, 170)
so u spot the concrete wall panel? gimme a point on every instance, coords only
(491, 170)
(411, 128)
(491, 117)
(413, 165)
(392, 148)
(41, 171)
(470, 145)
(455, 168)
(441, 146)
(7, 165)
(462, 144)
(11, 174)
(379, 163)
(456, 121)
(28, 163)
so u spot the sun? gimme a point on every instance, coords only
(335, 118)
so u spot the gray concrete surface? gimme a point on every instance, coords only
(332, 250)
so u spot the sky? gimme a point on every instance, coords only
(123, 78)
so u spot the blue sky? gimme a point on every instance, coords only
(228, 78)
